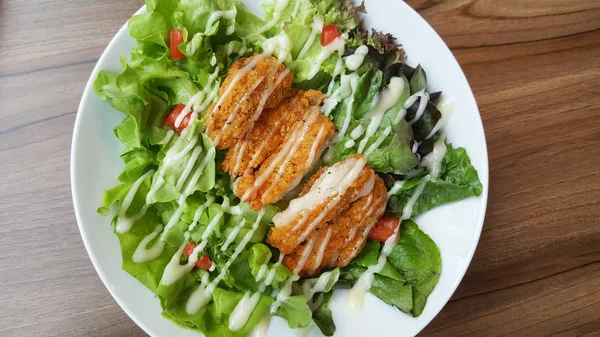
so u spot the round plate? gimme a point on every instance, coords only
(95, 165)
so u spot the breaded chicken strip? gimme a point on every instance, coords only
(252, 84)
(339, 241)
(357, 223)
(269, 133)
(284, 169)
(328, 194)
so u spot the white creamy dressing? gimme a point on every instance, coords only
(314, 150)
(246, 305)
(343, 91)
(203, 294)
(445, 107)
(199, 211)
(233, 235)
(339, 66)
(352, 79)
(281, 42)
(173, 270)
(330, 187)
(305, 254)
(355, 60)
(386, 99)
(188, 167)
(283, 294)
(316, 28)
(336, 45)
(328, 184)
(242, 311)
(227, 15)
(433, 160)
(196, 40)
(124, 222)
(324, 279)
(386, 132)
(280, 6)
(415, 147)
(357, 132)
(410, 101)
(144, 254)
(396, 187)
(194, 100)
(211, 93)
(356, 295)
(321, 250)
(167, 137)
(422, 105)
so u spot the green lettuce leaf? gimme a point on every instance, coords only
(323, 317)
(458, 180)
(394, 154)
(410, 274)
(295, 310)
(418, 259)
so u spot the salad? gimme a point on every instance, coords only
(270, 161)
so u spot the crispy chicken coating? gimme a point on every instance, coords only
(252, 84)
(269, 133)
(327, 194)
(337, 242)
(283, 170)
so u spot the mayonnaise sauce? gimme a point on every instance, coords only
(387, 98)
(124, 223)
(433, 160)
(356, 295)
(316, 28)
(336, 45)
(355, 60)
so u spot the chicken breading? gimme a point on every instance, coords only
(252, 84)
(328, 193)
(269, 133)
(284, 169)
(338, 241)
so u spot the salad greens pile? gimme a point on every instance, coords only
(152, 195)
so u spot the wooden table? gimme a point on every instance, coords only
(534, 66)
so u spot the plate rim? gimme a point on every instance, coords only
(76, 204)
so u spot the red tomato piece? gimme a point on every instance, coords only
(384, 228)
(328, 34)
(172, 117)
(189, 248)
(175, 39)
(204, 262)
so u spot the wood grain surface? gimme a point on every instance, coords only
(534, 66)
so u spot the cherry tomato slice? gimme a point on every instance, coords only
(175, 39)
(384, 228)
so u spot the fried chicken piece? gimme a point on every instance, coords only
(252, 84)
(269, 132)
(328, 193)
(339, 241)
(283, 170)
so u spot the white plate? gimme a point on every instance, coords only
(95, 165)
